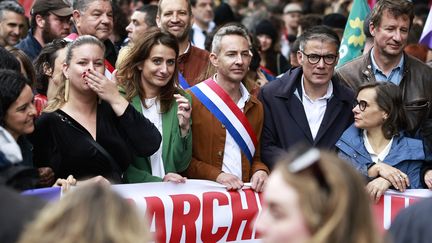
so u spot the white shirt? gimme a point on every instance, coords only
(155, 116)
(198, 37)
(232, 163)
(315, 109)
(376, 157)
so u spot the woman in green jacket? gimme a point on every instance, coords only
(149, 81)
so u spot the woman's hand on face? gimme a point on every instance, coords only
(106, 89)
(428, 178)
(174, 177)
(377, 187)
(397, 178)
(184, 110)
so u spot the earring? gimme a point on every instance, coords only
(66, 90)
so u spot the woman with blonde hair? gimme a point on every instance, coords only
(88, 128)
(148, 76)
(92, 213)
(313, 196)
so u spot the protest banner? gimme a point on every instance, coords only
(204, 211)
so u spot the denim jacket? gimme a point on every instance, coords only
(406, 154)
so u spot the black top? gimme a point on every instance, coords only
(66, 149)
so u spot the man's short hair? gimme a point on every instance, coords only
(188, 3)
(396, 8)
(10, 6)
(319, 32)
(82, 5)
(150, 12)
(229, 29)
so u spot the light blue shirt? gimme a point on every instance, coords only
(395, 75)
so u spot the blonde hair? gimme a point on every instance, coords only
(59, 99)
(332, 199)
(93, 213)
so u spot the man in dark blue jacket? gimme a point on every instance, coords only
(306, 104)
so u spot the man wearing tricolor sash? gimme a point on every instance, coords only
(227, 120)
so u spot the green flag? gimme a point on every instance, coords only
(354, 39)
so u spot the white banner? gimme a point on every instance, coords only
(197, 211)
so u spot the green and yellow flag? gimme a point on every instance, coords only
(354, 39)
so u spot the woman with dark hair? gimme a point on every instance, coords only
(376, 144)
(88, 128)
(272, 61)
(18, 114)
(148, 76)
(26, 65)
(48, 67)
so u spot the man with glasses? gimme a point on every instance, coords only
(50, 19)
(307, 104)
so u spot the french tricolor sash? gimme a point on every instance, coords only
(109, 69)
(182, 81)
(220, 104)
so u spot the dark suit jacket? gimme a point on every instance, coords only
(285, 122)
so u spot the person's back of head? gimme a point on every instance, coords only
(92, 213)
(330, 196)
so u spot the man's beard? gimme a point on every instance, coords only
(47, 35)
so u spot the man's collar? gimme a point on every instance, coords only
(327, 95)
(375, 67)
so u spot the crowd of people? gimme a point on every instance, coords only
(95, 92)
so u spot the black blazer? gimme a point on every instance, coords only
(285, 122)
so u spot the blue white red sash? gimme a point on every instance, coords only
(183, 82)
(109, 69)
(220, 104)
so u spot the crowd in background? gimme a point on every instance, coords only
(94, 92)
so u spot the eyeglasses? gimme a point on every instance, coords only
(309, 160)
(315, 58)
(362, 104)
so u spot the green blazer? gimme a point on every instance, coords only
(176, 151)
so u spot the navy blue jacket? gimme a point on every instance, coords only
(285, 121)
(406, 154)
(30, 46)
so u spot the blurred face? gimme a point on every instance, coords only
(281, 220)
(20, 115)
(291, 20)
(97, 20)
(55, 27)
(372, 116)
(391, 36)
(319, 74)
(175, 18)
(84, 57)
(203, 11)
(137, 25)
(55, 73)
(265, 42)
(11, 28)
(233, 59)
(158, 68)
